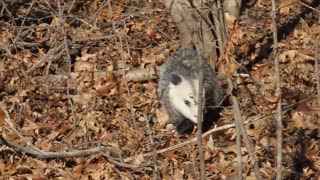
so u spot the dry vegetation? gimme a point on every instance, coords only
(74, 116)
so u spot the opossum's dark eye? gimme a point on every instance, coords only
(187, 102)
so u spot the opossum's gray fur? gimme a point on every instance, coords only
(185, 64)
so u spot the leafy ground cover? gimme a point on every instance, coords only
(62, 84)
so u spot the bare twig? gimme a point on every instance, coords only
(133, 122)
(201, 99)
(192, 141)
(247, 140)
(124, 74)
(11, 125)
(94, 38)
(47, 57)
(221, 37)
(239, 153)
(5, 8)
(200, 120)
(154, 157)
(310, 7)
(220, 28)
(69, 60)
(23, 21)
(133, 116)
(222, 34)
(316, 66)
(238, 141)
(278, 91)
(93, 18)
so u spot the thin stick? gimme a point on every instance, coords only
(222, 36)
(200, 120)
(237, 120)
(239, 154)
(316, 66)
(66, 47)
(11, 125)
(247, 140)
(23, 21)
(133, 120)
(310, 7)
(154, 158)
(278, 92)
(124, 73)
(238, 141)
(218, 25)
(201, 103)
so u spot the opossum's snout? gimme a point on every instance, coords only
(195, 119)
(193, 114)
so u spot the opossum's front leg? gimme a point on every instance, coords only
(183, 125)
(186, 126)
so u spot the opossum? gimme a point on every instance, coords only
(178, 88)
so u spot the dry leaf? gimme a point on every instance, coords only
(286, 6)
(138, 159)
(83, 66)
(162, 117)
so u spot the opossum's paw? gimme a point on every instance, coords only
(185, 127)
(170, 127)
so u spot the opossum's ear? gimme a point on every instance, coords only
(175, 79)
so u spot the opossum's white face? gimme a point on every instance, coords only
(183, 94)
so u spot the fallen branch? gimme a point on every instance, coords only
(135, 75)
(45, 155)
(30, 149)
(68, 154)
(11, 125)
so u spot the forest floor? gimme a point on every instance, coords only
(68, 113)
